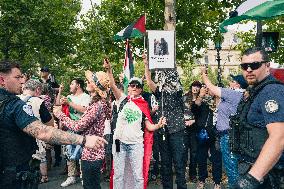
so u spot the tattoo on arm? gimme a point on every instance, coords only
(34, 128)
(51, 135)
(61, 137)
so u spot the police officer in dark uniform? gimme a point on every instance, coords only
(258, 127)
(19, 127)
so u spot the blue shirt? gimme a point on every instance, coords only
(17, 114)
(268, 107)
(228, 106)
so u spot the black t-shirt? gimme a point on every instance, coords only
(173, 110)
(45, 116)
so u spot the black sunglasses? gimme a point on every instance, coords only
(253, 65)
(132, 85)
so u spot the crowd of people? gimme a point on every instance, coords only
(104, 130)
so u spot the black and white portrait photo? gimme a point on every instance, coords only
(161, 50)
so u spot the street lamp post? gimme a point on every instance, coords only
(218, 48)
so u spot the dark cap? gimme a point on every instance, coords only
(44, 69)
(240, 80)
(196, 84)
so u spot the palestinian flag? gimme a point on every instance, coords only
(128, 67)
(254, 10)
(134, 30)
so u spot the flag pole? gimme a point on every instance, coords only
(144, 45)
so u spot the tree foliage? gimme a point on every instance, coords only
(272, 25)
(47, 32)
(38, 32)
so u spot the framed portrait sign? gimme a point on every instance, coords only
(161, 49)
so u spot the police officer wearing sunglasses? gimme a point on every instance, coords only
(257, 134)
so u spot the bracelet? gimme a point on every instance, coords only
(84, 141)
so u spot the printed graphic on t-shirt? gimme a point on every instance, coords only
(131, 115)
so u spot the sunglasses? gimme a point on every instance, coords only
(252, 66)
(137, 86)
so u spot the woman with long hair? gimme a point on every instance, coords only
(91, 123)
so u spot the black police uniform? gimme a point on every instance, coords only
(264, 105)
(16, 147)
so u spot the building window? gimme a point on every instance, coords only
(206, 59)
(235, 39)
(230, 58)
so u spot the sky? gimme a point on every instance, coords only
(87, 5)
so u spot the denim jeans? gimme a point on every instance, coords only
(135, 154)
(216, 159)
(91, 173)
(156, 155)
(173, 150)
(230, 160)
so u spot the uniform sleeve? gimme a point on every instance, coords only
(23, 114)
(45, 116)
(272, 103)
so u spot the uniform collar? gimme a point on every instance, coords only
(5, 92)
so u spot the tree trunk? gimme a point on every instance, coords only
(170, 15)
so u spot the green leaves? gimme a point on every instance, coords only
(131, 115)
(48, 32)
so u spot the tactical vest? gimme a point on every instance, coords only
(16, 147)
(247, 139)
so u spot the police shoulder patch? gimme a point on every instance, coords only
(28, 109)
(271, 106)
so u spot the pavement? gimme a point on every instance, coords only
(55, 179)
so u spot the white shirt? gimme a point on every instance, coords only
(83, 100)
(129, 123)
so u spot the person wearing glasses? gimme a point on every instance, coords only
(258, 127)
(131, 136)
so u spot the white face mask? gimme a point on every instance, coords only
(168, 81)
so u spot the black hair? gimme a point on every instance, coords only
(6, 66)
(264, 54)
(80, 82)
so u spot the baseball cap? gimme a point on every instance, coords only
(241, 80)
(136, 80)
(44, 69)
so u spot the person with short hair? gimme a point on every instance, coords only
(31, 92)
(258, 126)
(19, 127)
(75, 104)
